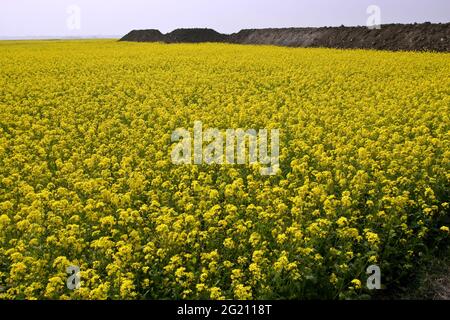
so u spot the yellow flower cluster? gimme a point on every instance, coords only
(86, 177)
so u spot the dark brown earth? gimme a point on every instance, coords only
(408, 37)
(176, 36)
(195, 36)
(150, 35)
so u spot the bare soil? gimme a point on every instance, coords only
(407, 37)
(195, 36)
(150, 35)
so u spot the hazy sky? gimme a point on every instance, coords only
(117, 17)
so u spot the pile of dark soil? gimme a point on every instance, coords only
(195, 36)
(149, 35)
(420, 37)
(410, 37)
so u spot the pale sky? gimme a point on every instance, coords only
(117, 17)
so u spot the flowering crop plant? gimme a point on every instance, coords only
(87, 180)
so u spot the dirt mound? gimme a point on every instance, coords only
(427, 36)
(149, 35)
(416, 37)
(195, 36)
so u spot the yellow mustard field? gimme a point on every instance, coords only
(87, 180)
